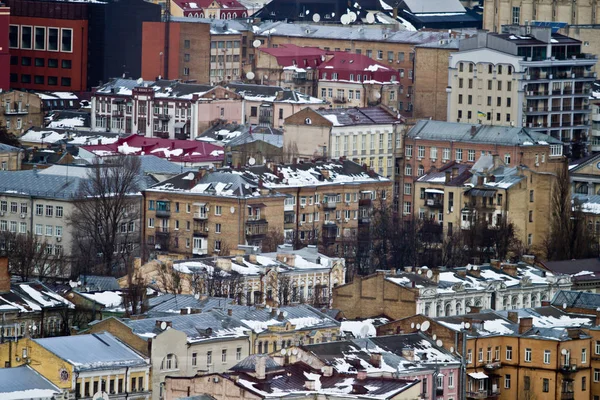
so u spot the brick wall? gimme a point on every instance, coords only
(4, 275)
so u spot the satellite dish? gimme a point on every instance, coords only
(34, 328)
(474, 267)
(140, 81)
(256, 43)
(451, 349)
(468, 309)
(467, 325)
(418, 326)
(364, 331)
(425, 325)
(251, 161)
(232, 209)
(249, 75)
(345, 19)
(307, 12)
(163, 325)
(412, 325)
(352, 16)
(564, 305)
(563, 352)
(283, 352)
(285, 314)
(429, 274)
(316, 18)
(295, 351)
(439, 343)
(468, 267)
(370, 18)
(434, 336)
(377, 95)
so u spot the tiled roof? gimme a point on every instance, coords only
(95, 351)
(23, 379)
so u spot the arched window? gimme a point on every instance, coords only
(448, 309)
(426, 312)
(408, 169)
(244, 15)
(169, 362)
(581, 188)
(421, 171)
(201, 15)
(234, 15)
(228, 15)
(458, 308)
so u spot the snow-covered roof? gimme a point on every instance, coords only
(24, 383)
(109, 299)
(26, 297)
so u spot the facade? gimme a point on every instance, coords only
(20, 111)
(512, 12)
(526, 76)
(4, 52)
(436, 292)
(425, 148)
(84, 365)
(212, 9)
(10, 158)
(183, 345)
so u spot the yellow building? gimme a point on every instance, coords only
(84, 365)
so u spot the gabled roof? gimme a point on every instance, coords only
(432, 6)
(359, 64)
(248, 364)
(359, 116)
(169, 304)
(292, 55)
(461, 175)
(576, 299)
(21, 383)
(91, 352)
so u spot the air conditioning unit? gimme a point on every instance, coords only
(1, 213)
(303, 206)
(301, 223)
(58, 239)
(23, 215)
(318, 205)
(347, 203)
(206, 229)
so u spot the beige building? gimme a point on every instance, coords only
(507, 12)
(20, 111)
(10, 158)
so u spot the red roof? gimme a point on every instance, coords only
(170, 149)
(344, 63)
(290, 54)
(200, 5)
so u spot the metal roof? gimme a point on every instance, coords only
(174, 303)
(433, 6)
(576, 299)
(92, 352)
(7, 148)
(23, 378)
(248, 364)
(359, 116)
(95, 283)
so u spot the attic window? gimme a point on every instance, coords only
(308, 121)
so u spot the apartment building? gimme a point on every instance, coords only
(595, 117)
(20, 111)
(440, 292)
(10, 158)
(456, 197)
(212, 9)
(426, 149)
(497, 14)
(525, 76)
(392, 48)
(368, 136)
(4, 53)
(206, 213)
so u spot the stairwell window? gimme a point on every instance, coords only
(169, 362)
(527, 355)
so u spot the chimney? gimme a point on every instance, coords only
(375, 360)
(473, 130)
(195, 311)
(462, 273)
(224, 263)
(597, 317)
(447, 176)
(528, 259)
(454, 172)
(280, 316)
(495, 264)
(4, 275)
(260, 369)
(573, 333)
(273, 313)
(513, 317)
(525, 324)
(361, 375)
(436, 274)
(327, 370)
(545, 303)
(474, 271)
(252, 258)
(229, 312)
(479, 180)
(183, 311)
(408, 269)
(510, 269)
(310, 385)
(408, 353)
(474, 310)
(239, 260)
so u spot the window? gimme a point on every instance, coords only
(169, 362)
(446, 154)
(546, 385)
(516, 13)
(469, 356)
(218, 210)
(421, 151)
(26, 37)
(13, 35)
(526, 382)
(407, 188)
(527, 355)
(224, 356)
(49, 211)
(507, 381)
(66, 64)
(52, 39)
(509, 352)
(408, 151)
(597, 346)
(238, 354)
(66, 42)
(583, 356)
(531, 196)
(459, 154)
(407, 207)
(471, 155)
(40, 38)
(186, 71)
(408, 170)
(59, 212)
(209, 358)
(186, 44)
(217, 228)
(546, 356)
(583, 383)
(480, 355)
(596, 375)
(507, 159)
(65, 81)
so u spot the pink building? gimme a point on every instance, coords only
(213, 9)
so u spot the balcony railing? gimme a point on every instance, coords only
(567, 396)
(15, 111)
(118, 113)
(434, 203)
(161, 230)
(201, 216)
(164, 117)
(482, 394)
(163, 213)
(199, 251)
(568, 368)
(365, 202)
(329, 204)
(492, 365)
(202, 232)
(257, 228)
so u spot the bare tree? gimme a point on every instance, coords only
(290, 152)
(285, 289)
(30, 257)
(170, 280)
(134, 297)
(8, 138)
(106, 215)
(272, 239)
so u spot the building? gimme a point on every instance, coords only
(438, 14)
(4, 53)
(175, 110)
(517, 353)
(10, 158)
(457, 197)
(20, 111)
(182, 345)
(31, 309)
(261, 377)
(526, 76)
(209, 213)
(368, 136)
(61, 101)
(585, 274)
(84, 365)
(431, 144)
(75, 45)
(391, 48)
(355, 80)
(512, 12)
(438, 292)
(212, 9)
(230, 47)
(20, 382)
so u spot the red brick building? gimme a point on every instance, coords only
(4, 55)
(48, 46)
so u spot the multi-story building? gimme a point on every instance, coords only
(175, 110)
(457, 197)
(526, 76)
(392, 48)
(10, 158)
(4, 51)
(510, 12)
(368, 136)
(20, 111)
(595, 131)
(355, 80)
(71, 46)
(212, 9)
(438, 292)
(85, 365)
(209, 213)
(425, 148)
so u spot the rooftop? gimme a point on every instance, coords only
(21, 383)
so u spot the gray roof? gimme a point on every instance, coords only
(459, 132)
(24, 378)
(310, 253)
(576, 299)
(360, 116)
(8, 148)
(93, 352)
(281, 28)
(248, 364)
(208, 325)
(433, 6)
(36, 184)
(217, 183)
(574, 266)
(274, 137)
(95, 283)
(168, 304)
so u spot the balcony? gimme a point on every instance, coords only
(257, 228)
(161, 134)
(568, 369)
(434, 203)
(365, 202)
(201, 216)
(339, 100)
(163, 213)
(567, 396)
(365, 219)
(164, 117)
(329, 233)
(482, 394)
(15, 111)
(162, 231)
(199, 251)
(288, 208)
(439, 391)
(118, 113)
(200, 231)
(492, 365)
(329, 205)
